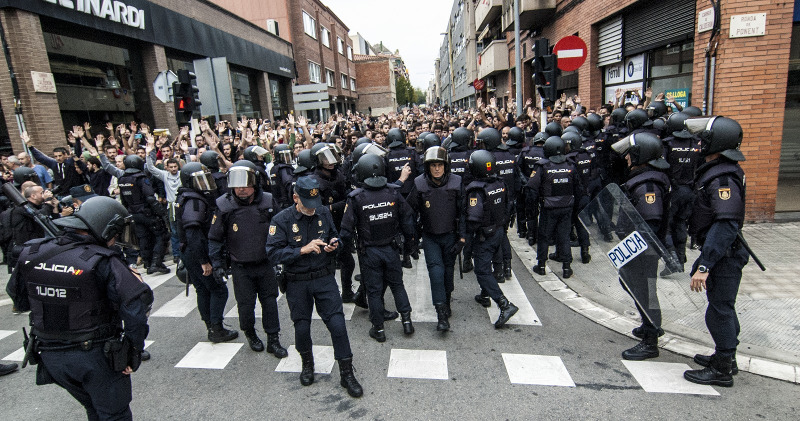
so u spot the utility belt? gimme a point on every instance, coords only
(483, 233)
(731, 251)
(307, 276)
(65, 338)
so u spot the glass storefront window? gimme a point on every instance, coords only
(245, 100)
(788, 195)
(671, 71)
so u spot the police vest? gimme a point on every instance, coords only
(246, 226)
(67, 300)
(504, 161)
(583, 163)
(487, 200)
(459, 161)
(221, 180)
(528, 159)
(682, 155)
(282, 184)
(192, 210)
(648, 191)
(397, 158)
(558, 184)
(439, 204)
(130, 191)
(719, 194)
(378, 214)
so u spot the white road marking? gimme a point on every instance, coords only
(513, 291)
(17, 355)
(179, 306)
(661, 377)
(323, 360)
(545, 370)
(209, 355)
(418, 364)
(6, 333)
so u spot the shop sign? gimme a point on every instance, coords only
(43, 82)
(615, 73)
(752, 25)
(112, 10)
(681, 96)
(634, 68)
(705, 20)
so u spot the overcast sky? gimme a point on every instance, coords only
(411, 26)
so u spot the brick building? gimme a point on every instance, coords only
(376, 84)
(323, 50)
(662, 44)
(74, 65)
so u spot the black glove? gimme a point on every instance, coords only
(457, 247)
(219, 275)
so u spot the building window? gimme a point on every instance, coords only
(326, 37)
(330, 76)
(245, 98)
(309, 25)
(314, 72)
(340, 44)
(352, 84)
(344, 81)
(350, 52)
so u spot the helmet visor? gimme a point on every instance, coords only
(436, 154)
(374, 149)
(699, 124)
(328, 156)
(623, 146)
(284, 156)
(203, 181)
(258, 150)
(121, 229)
(241, 177)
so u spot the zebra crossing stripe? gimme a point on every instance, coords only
(513, 291)
(6, 333)
(208, 355)
(179, 306)
(323, 360)
(418, 364)
(544, 370)
(662, 377)
(17, 355)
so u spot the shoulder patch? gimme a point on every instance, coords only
(272, 229)
(650, 198)
(473, 201)
(724, 193)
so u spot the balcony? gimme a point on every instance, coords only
(533, 14)
(486, 12)
(493, 59)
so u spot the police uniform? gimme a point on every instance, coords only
(528, 217)
(80, 294)
(396, 159)
(309, 278)
(582, 160)
(221, 180)
(138, 196)
(241, 228)
(682, 151)
(282, 181)
(379, 214)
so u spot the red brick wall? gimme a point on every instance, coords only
(374, 78)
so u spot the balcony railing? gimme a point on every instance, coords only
(486, 12)
(493, 59)
(533, 14)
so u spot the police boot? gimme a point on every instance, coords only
(146, 356)
(443, 324)
(407, 261)
(346, 372)
(274, 346)
(467, 266)
(718, 372)
(646, 349)
(705, 361)
(522, 231)
(415, 252)
(497, 271)
(408, 327)
(347, 295)
(254, 341)
(639, 333)
(8, 368)
(531, 239)
(307, 372)
(540, 269)
(389, 315)
(448, 299)
(566, 270)
(156, 268)
(217, 333)
(377, 333)
(483, 299)
(553, 257)
(507, 310)
(360, 298)
(585, 256)
(507, 270)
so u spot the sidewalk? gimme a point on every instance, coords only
(767, 304)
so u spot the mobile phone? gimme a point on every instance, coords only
(137, 136)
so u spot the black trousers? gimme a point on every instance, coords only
(379, 265)
(301, 297)
(554, 226)
(256, 280)
(151, 233)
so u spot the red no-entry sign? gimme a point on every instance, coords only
(571, 53)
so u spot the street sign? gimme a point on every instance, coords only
(571, 52)
(162, 86)
(478, 84)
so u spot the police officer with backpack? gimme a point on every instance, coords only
(398, 157)
(88, 309)
(280, 174)
(240, 226)
(211, 160)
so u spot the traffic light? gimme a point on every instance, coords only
(185, 97)
(545, 70)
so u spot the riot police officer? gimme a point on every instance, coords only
(378, 212)
(486, 215)
(648, 190)
(256, 154)
(527, 218)
(211, 160)
(138, 196)
(240, 225)
(281, 175)
(491, 140)
(583, 163)
(302, 239)
(555, 187)
(438, 198)
(716, 221)
(88, 309)
(398, 157)
(195, 207)
(459, 151)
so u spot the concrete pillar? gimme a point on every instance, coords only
(264, 95)
(154, 60)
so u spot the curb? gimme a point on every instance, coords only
(622, 324)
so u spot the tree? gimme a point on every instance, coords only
(405, 92)
(419, 96)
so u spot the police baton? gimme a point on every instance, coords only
(460, 273)
(750, 251)
(30, 344)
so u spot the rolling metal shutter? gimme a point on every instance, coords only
(609, 48)
(654, 23)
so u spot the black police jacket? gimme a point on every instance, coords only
(505, 163)
(683, 155)
(193, 214)
(136, 192)
(459, 161)
(378, 215)
(241, 228)
(555, 185)
(487, 205)
(290, 230)
(648, 189)
(221, 180)
(719, 190)
(282, 184)
(440, 206)
(583, 163)
(333, 190)
(396, 159)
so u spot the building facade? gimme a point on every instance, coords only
(377, 92)
(457, 57)
(82, 61)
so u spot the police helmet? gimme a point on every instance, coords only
(243, 173)
(643, 148)
(660, 124)
(367, 148)
(692, 111)
(254, 153)
(325, 154)
(554, 149)
(396, 138)
(181, 272)
(582, 123)
(283, 154)
(675, 121)
(363, 140)
(305, 162)
(371, 171)
(436, 154)
(211, 160)
(133, 163)
(105, 219)
(492, 139)
(515, 136)
(196, 176)
(461, 137)
(23, 174)
(656, 109)
(574, 140)
(431, 140)
(618, 115)
(636, 119)
(718, 135)
(595, 122)
(553, 128)
(540, 137)
(570, 129)
(482, 164)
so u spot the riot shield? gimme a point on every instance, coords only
(631, 247)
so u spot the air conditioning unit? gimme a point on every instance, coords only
(272, 26)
